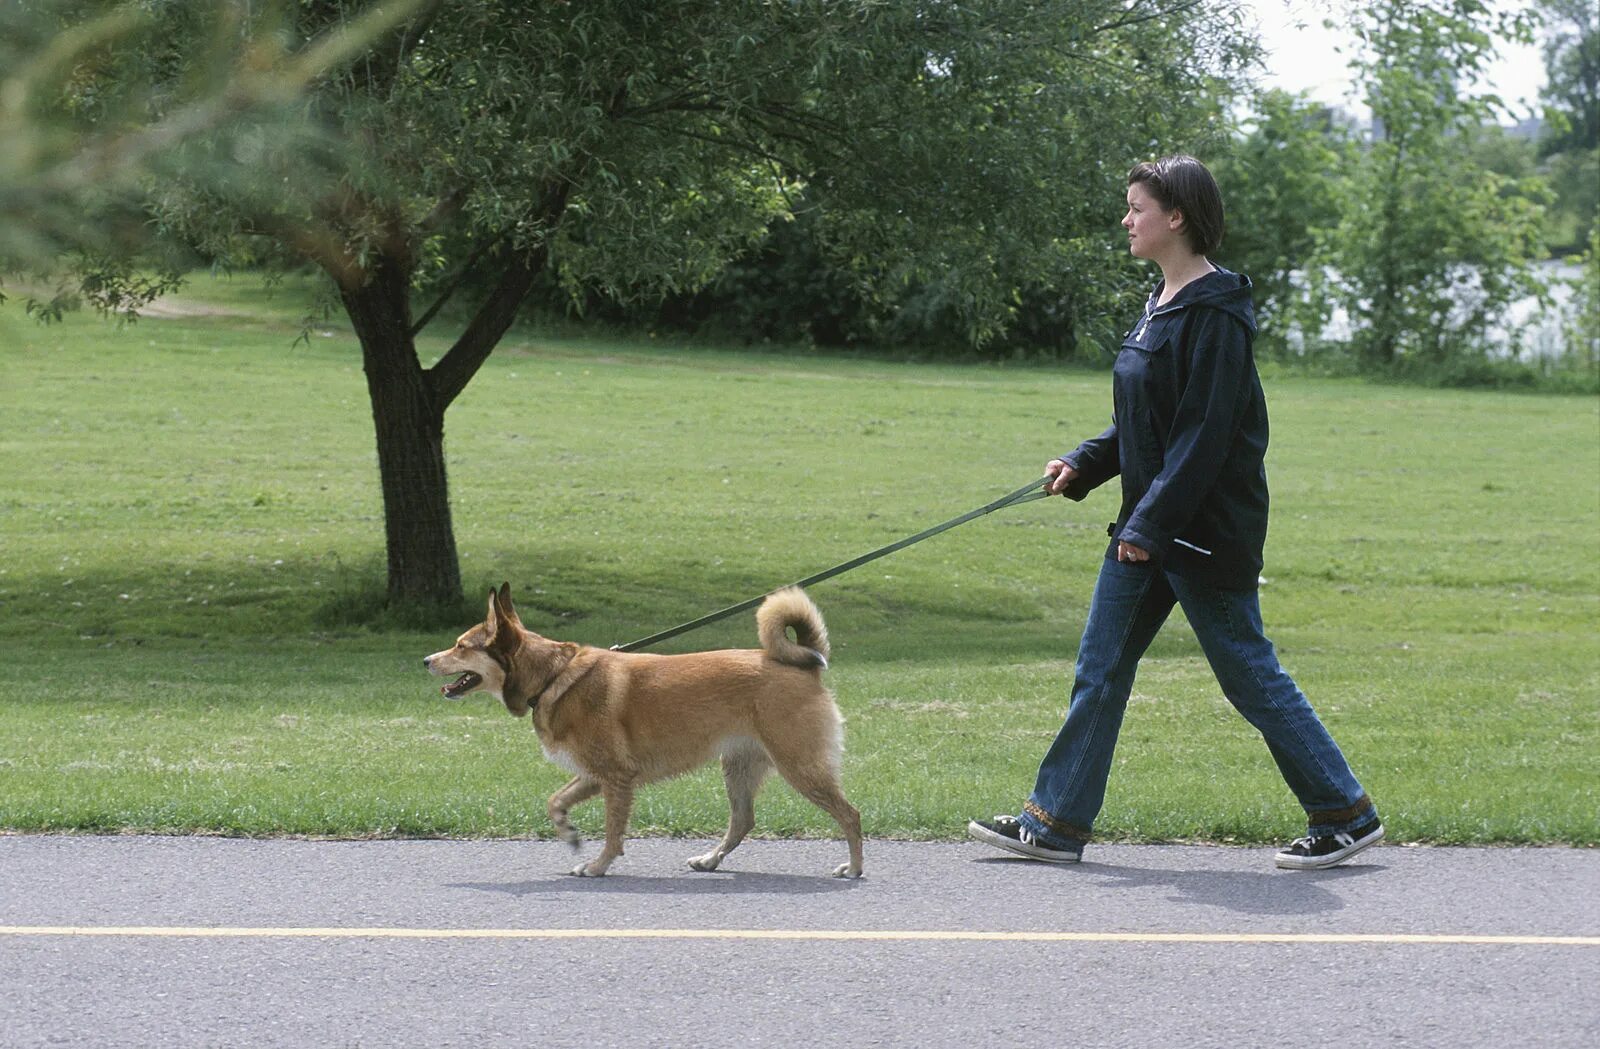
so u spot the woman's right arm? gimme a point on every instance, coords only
(1085, 468)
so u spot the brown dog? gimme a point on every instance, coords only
(618, 720)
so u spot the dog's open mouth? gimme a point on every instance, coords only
(462, 685)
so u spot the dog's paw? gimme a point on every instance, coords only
(588, 870)
(847, 870)
(565, 830)
(708, 862)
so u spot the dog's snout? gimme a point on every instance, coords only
(427, 662)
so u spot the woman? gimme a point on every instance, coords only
(1188, 437)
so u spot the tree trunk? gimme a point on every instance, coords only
(409, 423)
(409, 402)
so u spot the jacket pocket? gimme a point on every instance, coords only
(1143, 363)
(1152, 343)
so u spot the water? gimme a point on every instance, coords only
(1542, 327)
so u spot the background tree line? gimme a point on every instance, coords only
(1419, 231)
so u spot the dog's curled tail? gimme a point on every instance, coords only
(787, 608)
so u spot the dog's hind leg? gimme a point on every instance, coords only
(807, 755)
(830, 799)
(619, 805)
(819, 785)
(743, 769)
(577, 789)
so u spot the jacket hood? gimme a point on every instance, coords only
(1223, 290)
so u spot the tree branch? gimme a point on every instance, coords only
(317, 244)
(457, 367)
(455, 284)
(1132, 20)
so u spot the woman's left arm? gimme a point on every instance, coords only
(1203, 429)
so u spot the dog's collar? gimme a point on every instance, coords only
(562, 680)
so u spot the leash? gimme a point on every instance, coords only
(1026, 494)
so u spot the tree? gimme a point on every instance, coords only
(1431, 247)
(1276, 180)
(634, 148)
(1572, 74)
(1571, 139)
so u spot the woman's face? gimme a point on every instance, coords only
(1152, 231)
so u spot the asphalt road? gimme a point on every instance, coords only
(143, 941)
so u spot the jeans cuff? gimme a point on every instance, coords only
(1340, 821)
(1053, 832)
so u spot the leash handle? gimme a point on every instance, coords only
(1026, 494)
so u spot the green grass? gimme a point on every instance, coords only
(190, 516)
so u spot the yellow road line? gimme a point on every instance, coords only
(872, 935)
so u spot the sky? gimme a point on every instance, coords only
(1302, 56)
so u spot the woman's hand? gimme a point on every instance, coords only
(1060, 473)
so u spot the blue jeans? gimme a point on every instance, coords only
(1131, 601)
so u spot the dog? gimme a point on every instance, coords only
(618, 720)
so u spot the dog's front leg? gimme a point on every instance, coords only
(619, 805)
(577, 789)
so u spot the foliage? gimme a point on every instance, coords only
(1275, 178)
(981, 205)
(1575, 177)
(98, 101)
(792, 290)
(1583, 322)
(1572, 75)
(957, 143)
(1571, 139)
(1430, 248)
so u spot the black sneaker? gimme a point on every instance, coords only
(1007, 832)
(1328, 850)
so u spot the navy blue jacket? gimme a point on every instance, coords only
(1188, 437)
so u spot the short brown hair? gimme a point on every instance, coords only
(1182, 183)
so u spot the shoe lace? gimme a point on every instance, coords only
(1023, 833)
(1303, 843)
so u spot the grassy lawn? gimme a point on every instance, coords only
(190, 525)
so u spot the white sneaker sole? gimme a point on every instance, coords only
(1332, 859)
(1033, 852)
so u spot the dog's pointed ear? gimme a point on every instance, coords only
(506, 631)
(491, 618)
(502, 602)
